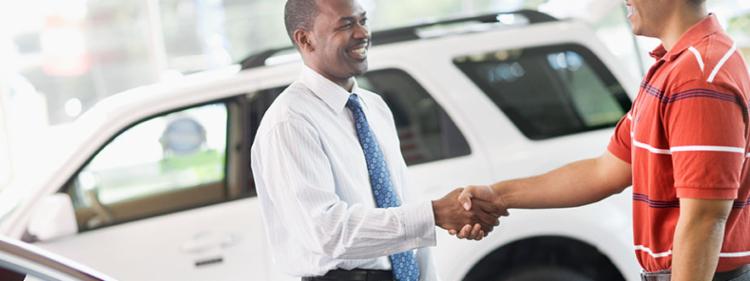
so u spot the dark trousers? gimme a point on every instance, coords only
(740, 274)
(353, 275)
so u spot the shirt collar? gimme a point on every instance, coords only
(332, 94)
(696, 33)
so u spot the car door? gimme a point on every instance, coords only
(558, 103)
(23, 262)
(170, 198)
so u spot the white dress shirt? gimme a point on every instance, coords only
(314, 189)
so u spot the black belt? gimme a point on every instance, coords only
(666, 275)
(354, 275)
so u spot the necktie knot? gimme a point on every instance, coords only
(353, 102)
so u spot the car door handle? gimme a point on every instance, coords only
(202, 242)
(209, 261)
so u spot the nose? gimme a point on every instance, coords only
(361, 31)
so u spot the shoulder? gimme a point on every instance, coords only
(712, 60)
(290, 108)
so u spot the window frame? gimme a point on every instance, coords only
(226, 102)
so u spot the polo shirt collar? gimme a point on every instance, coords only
(331, 93)
(696, 33)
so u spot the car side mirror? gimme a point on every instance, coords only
(53, 217)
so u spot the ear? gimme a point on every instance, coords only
(303, 40)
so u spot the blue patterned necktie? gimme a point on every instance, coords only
(404, 265)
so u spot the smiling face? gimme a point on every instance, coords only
(647, 17)
(339, 40)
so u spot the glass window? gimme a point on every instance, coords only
(163, 164)
(426, 132)
(549, 91)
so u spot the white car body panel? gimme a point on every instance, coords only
(35, 263)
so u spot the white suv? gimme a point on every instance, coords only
(160, 187)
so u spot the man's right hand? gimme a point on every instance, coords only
(479, 197)
(451, 215)
(483, 193)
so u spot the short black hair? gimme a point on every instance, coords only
(696, 2)
(299, 14)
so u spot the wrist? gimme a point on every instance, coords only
(500, 190)
(435, 208)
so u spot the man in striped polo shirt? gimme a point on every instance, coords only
(683, 147)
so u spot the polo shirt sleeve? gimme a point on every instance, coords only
(706, 128)
(619, 144)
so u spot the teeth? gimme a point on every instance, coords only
(360, 51)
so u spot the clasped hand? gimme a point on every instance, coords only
(469, 213)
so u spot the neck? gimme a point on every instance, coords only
(679, 22)
(346, 83)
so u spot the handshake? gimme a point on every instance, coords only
(469, 213)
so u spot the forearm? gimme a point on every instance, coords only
(358, 232)
(696, 250)
(575, 184)
(697, 242)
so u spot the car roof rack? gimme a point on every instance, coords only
(409, 33)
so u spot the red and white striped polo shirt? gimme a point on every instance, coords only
(687, 137)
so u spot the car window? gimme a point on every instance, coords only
(425, 131)
(549, 91)
(163, 164)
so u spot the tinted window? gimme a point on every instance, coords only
(549, 91)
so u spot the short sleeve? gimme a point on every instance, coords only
(706, 128)
(619, 144)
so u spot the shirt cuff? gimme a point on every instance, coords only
(707, 193)
(419, 224)
(619, 152)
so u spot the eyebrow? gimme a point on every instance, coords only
(352, 18)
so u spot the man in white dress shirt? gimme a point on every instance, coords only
(328, 169)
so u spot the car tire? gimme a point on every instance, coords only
(545, 274)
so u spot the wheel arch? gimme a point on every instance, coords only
(545, 250)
